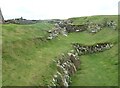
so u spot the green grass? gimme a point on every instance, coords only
(100, 69)
(29, 62)
(94, 19)
(23, 32)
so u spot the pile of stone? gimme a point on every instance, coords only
(63, 23)
(84, 49)
(111, 24)
(52, 34)
(75, 28)
(94, 28)
(56, 31)
(63, 27)
(67, 65)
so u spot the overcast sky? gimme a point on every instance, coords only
(52, 9)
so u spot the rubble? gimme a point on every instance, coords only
(93, 28)
(111, 24)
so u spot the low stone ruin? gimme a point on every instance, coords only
(67, 65)
(94, 28)
(89, 26)
(70, 27)
(65, 27)
(56, 31)
(63, 23)
(83, 49)
(75, 28)
(52, 34)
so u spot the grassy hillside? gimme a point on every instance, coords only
(29, 62)
(94, 19)
(22, 60)
(101, 68)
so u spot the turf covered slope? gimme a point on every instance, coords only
(28, 61)
(99, 69)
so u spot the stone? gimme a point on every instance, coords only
(1, 17)
(75, 28)
(111, 24)
(71, 69)
(60, 69)
(75, 61)
(60, 80)
(93, 28)
(99, 47)
(49, 37)
(69, 63)
(49, 31)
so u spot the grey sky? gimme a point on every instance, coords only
(52, 9)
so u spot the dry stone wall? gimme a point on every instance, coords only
(84, 49)
(69, 63)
